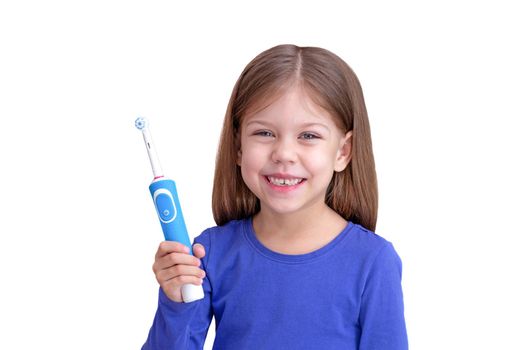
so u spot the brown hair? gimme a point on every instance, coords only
(333, 85)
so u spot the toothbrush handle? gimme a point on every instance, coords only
(164, 194)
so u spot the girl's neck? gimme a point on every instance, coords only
(297, 233)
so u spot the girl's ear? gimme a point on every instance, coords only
(344, 153)
(238, 147)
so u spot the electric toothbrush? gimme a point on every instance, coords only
(164, 194)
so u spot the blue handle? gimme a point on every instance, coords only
(164, 194)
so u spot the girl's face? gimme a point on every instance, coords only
(289, 152)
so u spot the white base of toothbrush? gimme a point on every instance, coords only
(191, 292)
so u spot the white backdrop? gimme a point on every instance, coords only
(444, 85)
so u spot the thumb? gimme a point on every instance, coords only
(198, 250)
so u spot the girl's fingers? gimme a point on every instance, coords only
(177, 282)
(167, 247)
(180, 272)
(172, 259)
(198, 250)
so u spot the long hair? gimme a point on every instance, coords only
(330, 83)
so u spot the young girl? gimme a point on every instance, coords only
(293, 262)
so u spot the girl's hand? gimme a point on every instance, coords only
(175, 267)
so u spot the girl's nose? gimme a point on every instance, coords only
(284, 151)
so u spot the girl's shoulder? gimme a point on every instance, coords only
(366, 237)
(223, 243)
(225, 235)
(368, 245)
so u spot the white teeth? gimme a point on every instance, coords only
(283, 182)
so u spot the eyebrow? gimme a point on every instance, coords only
(303, 125)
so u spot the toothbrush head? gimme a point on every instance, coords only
(141, 123)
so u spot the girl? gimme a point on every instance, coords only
(293, 262)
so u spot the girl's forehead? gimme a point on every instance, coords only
(294, 103)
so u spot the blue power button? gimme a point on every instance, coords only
(165, 205)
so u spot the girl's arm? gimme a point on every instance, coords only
(179, 325)
(382, 313)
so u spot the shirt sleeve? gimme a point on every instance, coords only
(382, 312)
(182, 325)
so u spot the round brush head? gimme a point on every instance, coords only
(141, 123)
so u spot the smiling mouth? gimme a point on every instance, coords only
(284, 182)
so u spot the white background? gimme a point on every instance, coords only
(444, 86)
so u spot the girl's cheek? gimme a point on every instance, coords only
(253, 150)
(250, 157)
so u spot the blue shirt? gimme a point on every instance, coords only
(345, 295)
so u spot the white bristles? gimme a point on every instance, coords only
(141, 123)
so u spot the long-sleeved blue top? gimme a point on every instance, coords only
(345, 295)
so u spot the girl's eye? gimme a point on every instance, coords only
(264, 133)
(309, 136)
